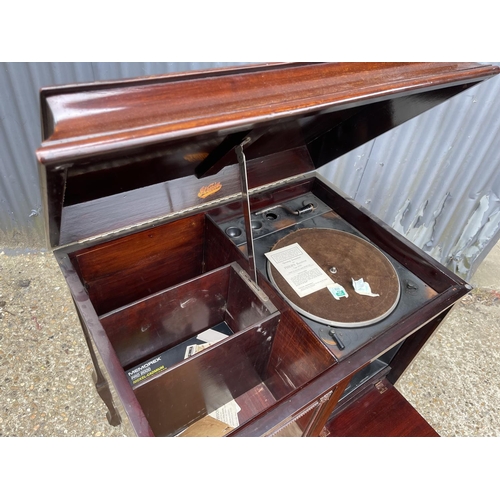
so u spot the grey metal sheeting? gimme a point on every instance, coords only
(435, 179)
(21, 217)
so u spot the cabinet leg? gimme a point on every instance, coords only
(103, 390)
(412, 346)
(100, 382)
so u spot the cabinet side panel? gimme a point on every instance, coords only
(219, 251)
(244, 308)
(297, 356)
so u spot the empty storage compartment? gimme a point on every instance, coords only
(119, 272)
(166, 323)
(254, 369)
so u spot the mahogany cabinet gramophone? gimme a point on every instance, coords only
(209, 263)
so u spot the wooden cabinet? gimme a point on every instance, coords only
(163, 197)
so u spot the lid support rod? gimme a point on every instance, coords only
(246, 208)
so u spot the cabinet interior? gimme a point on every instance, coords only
(156, 290)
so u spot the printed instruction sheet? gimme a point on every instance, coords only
(299, 269)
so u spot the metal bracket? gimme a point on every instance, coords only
(257, 290)
(246, 208)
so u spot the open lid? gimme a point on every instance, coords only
(115, 155)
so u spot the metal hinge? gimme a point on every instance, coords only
(380, 386)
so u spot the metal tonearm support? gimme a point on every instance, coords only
(246, 208)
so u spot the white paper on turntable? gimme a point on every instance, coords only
(299, 269)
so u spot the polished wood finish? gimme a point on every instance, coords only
(239, 365)
(284, 371)
(382, 412)
(286, 349)
(88, 122)
(253, 402)
(100, 381)
(206, 381)
(115, 212)
(158, 322)
(318, 426)
(122, 271)
(105, 358)
(298, 342)
(133, 221)
(91, 211)
(98, 138)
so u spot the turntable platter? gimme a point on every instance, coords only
(343, 256)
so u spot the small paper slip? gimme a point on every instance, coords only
(193, 349)
(211, 336)
(228, 413)
(363, 288)
(299, 269)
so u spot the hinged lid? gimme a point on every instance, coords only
(115, 155)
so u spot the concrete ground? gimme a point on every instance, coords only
(455, 380)
(45, 369)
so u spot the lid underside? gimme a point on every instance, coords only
(104, 140)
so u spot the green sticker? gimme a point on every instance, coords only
(338, 291)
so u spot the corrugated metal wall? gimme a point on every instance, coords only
(436, 179)
(21, 220)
